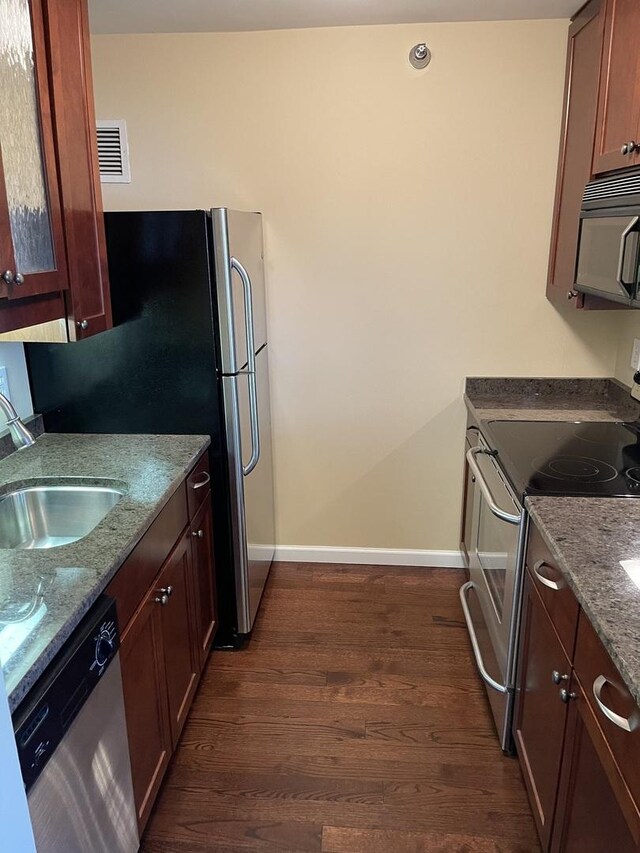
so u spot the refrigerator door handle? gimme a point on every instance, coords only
(251, 366)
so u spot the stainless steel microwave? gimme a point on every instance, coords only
(608, 262)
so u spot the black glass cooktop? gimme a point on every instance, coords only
(559, 458)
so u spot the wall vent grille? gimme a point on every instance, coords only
(113, 152)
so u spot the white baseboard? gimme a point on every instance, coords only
(369, 556)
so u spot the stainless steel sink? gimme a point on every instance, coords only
(46, 516)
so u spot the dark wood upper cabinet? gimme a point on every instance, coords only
(576, 150)
(540, 716)
(33, 258)
(618, 121)
(52, 243)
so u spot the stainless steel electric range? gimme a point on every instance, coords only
(506, 461)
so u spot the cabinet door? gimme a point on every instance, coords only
(576, 147)
(174, 590)
(88, 299)
(204, 581)
(146, 704)
(595, 811)
(33, 256)
(540, 715)
(619, 104)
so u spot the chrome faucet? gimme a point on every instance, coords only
(19, 433)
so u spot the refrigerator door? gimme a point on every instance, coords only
(251, 486)
(237, 243)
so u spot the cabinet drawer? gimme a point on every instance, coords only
(557, 597)
(198, 484)
(598, 675)
(132, 582)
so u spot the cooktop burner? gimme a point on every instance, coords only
(576, 468)
(560, 458)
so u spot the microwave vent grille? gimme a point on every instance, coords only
(612, 188)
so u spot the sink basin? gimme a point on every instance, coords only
(44, 516)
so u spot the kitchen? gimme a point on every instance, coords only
(383, 188)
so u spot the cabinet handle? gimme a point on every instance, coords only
(18, 278)
(628, 724)
(566, 697)
(83, 324)
(557, 678)
(166, 590)
(198, 533)
(629, 147)
(8, 276)
(162, 599)
(203, 482)
(571, 294)
(554, 585)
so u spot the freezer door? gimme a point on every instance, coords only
(251, 493)
(237, 236)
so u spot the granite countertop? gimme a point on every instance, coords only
(549, 400)
(588, 538)
(60, 584)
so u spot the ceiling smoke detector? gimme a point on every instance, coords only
(420, 56)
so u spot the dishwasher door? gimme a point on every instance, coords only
(82, 802)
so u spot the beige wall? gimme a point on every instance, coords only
(629, 328)
(407, 227)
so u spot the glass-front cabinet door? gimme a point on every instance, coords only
(32, 259)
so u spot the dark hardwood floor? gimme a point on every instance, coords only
(353, 721)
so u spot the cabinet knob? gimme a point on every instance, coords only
(566, 697)
(629, 147)
(18, 278)
(571, 294)
(8, 276)
(557, 678)
(162, 599)
(166, 590)
(198, 533)
(82, 324)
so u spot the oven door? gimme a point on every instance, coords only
(489, 599)
(608, 254)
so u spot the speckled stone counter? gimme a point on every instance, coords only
(588, 537)
(549, 400)
(55, 587)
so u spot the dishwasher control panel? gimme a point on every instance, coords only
(53, 703)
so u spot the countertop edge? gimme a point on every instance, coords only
(22, 688)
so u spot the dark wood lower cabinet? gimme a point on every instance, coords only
(165, 594)
(578, 760)
(205, 609)
(144, 684)
(595, 810)
(174, 594)
(541, 715)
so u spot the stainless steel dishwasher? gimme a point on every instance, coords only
(73, 748)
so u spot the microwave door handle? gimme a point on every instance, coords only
(509, 517)
(623, 247)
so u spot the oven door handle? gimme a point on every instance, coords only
(502, 514)
(464, 589)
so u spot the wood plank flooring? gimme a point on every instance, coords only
(353, 721)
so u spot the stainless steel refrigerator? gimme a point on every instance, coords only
(188, 354)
